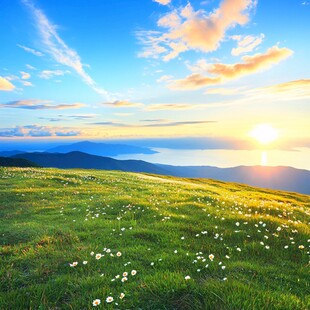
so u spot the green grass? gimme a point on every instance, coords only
(165, 229)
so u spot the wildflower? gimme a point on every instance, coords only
(98, 256)
(211, 257)
(109, 299)
(124, 279)
(85, 262)
(238, 249)
(223, 267)
(187, 278)
(73, 264)
(133, 272)
(96, 302)
(125, 274)
(237, 224)
(118, 254)
(122, 295)
(176, 251)
(301, 247)
(92, 253)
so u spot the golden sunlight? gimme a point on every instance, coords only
(264, 133)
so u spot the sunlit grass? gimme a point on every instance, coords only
(70, 238)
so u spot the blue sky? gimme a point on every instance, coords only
(131, 68)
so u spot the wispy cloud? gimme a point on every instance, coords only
(246, 44)
(38, 131)
(35, 104)
(62, 117)
(160, 123)
(187, 29)
(194, 81)
(173, 124)
(251, 64)
(25, 75)
(163, 2)
(30, 50)
(58, 49)
(5, 85)
(30, 67)
(224, 72)
(123, 104)
(47, 74)
(169, 106)
(292, 90)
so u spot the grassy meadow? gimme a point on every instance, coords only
(71, 239)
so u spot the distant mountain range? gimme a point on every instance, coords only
(101, 149)
(283, 178)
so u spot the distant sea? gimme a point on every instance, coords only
(299, 158)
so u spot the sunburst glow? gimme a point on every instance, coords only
(264, 133)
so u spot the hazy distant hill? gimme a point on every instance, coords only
(10, 153)
(16, 162)
(101, 149)
(87, 161)
(284, 178)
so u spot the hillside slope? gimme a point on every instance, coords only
(16, 162)
(138, 241)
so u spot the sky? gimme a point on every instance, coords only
(130, 69)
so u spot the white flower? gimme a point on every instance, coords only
(118, 254)
(73, 264)
(96, 302)
(187, 278)
(133, 272)
(122, 295)
(92, 253)
(211, 257)
(98, 256)
(301, 247)
(109, 299)
(124, 279)
(85, 262)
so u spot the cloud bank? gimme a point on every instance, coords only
(38, 131)
(187, 29)
(34, 104)
(223, 72)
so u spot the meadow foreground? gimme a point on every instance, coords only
(79, 239)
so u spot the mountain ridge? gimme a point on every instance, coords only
(279, 178)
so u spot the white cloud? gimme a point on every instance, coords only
(36, 104)
(25, 75)
(193, 30)
(5, 85)
(38, 131)
(47, 74)
(163, 2)
(31, 50)
(246, 44)
(58, 49)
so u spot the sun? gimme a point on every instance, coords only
(264, 133)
